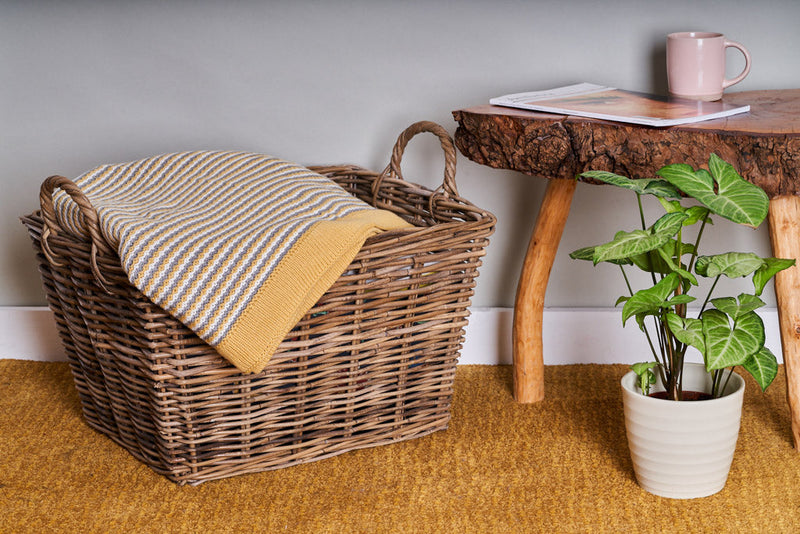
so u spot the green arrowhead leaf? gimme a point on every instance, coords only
(736, 309)
(680, 299)
(763, 365)
(687, 330)
(693, 213)
(683, 273)
(696, 213)
(728, 346)
(770, 268)
(669, 224)
(642, 367)
(628, 244)
(731, 264)
(652, 263)
(661, 189)
(587, 253)
(642, 186)
(649, 301)
(671, 206)
(646, 376)
(734, 198)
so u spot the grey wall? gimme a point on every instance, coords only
(89, 82)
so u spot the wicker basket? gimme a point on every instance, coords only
(372, 363)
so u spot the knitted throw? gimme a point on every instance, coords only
(236, 246)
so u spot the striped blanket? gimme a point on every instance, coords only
(236, 246)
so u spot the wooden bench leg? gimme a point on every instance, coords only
(529, 305)
(784, 225)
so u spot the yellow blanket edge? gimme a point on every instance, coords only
(313, 264)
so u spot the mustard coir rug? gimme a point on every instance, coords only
(557, 466)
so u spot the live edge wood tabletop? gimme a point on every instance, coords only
(763, 145)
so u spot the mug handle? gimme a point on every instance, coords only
(745, 72)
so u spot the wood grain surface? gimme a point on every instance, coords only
(763, 144)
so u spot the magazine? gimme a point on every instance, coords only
(609, 103)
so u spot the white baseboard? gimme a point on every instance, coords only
(571, 335)
(29, 333)
(576, 335)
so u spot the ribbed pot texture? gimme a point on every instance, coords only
(682, 450)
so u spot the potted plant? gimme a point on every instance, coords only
(726, 330)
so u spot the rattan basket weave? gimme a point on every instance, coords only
(372, 363)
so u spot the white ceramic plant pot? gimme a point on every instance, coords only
(682, 450)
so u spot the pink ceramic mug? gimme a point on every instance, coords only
(696, 64)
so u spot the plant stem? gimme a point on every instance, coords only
(708, 297)
(677, 375)
(673, 358)
(650, 255)
(658, 359)
(725, 386)
(641, 210)
(697, 243)
(662, 364)
(678, 349)
(627, 282)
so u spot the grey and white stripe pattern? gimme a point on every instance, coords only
(199, 232)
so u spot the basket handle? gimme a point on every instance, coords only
(90, 219)
(448, 187)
